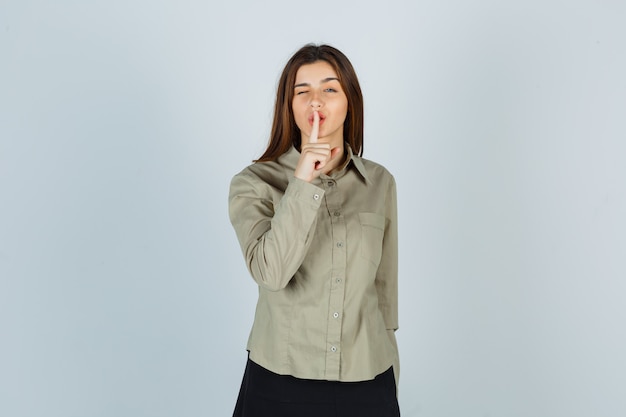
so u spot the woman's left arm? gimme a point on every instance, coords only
(387, 275)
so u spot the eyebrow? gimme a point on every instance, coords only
(325, 80)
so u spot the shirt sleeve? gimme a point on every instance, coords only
(387, 275)
(274, 236)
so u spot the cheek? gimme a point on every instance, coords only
(344, 111)
(299, 118)
(343, 105)
(297, 108)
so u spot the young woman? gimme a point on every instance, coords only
(317, 227)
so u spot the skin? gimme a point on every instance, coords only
(319, 107)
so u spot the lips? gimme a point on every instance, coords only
(322, 118)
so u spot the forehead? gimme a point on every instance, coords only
(316, 71)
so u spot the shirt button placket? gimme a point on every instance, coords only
(339, 258)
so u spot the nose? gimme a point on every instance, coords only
(316, 102)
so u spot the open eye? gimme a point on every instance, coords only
(330, 90)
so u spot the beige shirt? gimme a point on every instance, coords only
(324, 255)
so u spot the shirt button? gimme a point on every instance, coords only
(337, 214)
(333, 349)
(338, 280)
(340, 244)
(316, 196)
(336, 315)
(330, 183)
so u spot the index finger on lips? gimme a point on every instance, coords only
(316, 127)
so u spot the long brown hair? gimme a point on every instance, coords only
(285, 133)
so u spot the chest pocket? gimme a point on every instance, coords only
(372, 233)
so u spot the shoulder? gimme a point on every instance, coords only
(376, 172)
(262, 171)
(259, 176)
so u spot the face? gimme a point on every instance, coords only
(317, 87)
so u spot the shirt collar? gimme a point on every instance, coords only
(290, 160)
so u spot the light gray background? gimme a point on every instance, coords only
(122, 289)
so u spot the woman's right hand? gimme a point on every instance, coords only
(314, 156)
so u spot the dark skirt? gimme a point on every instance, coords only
(266, 394)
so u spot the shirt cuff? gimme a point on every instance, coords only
(304, 191)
